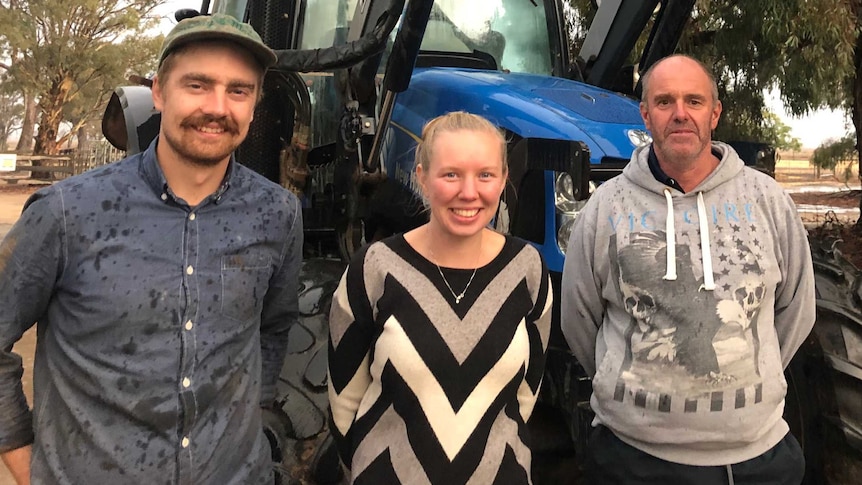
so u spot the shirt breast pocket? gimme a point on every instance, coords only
(244, 281)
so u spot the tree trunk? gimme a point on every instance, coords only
(51, 106)
(46, 137)
(46, 140)
(5, 130)
(28, 126)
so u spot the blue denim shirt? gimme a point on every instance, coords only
(161, 327)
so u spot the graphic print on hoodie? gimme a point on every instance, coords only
(685, 308)
(683, 339)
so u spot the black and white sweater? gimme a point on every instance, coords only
(427, 391)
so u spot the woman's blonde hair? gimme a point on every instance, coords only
(456, 121)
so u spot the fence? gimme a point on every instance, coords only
(95, 154)
(48, 169)
(41, 168)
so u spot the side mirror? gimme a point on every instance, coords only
(131, 122)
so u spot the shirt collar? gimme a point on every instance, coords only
(155, 178)
(658, 173)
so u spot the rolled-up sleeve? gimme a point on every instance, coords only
(30, 261)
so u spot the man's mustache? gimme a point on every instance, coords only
(223, 122)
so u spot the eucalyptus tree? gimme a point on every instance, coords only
(809, 51)
(835, 153)
(803, 49)
(67, 52)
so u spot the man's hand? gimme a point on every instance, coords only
(18, 462)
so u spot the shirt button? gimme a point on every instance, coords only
(164, 196)
(189, 325)
(192, 216)
(186, 382)
(190, 270)
(185, 442)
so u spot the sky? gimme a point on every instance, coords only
(817, 127)
(167, 9)
(812, 129)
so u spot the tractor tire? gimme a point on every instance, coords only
(801, 411)
(351, 237)
(825, 376)
(298, 429)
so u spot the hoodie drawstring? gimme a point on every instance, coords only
(708, 279)
(670, 234)
(706, 252)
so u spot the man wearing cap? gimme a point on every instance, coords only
(163, 286)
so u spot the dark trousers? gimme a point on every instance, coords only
(611, 461)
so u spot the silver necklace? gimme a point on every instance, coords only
(461, 295)
(439, 270)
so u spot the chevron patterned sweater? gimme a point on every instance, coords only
(427, 391)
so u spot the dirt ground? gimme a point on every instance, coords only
(832, 226)
(822, 212)
(828, 207)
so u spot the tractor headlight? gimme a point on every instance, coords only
(568, 207)
(564, 197)
(639, 138)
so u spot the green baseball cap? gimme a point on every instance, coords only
(217, 26)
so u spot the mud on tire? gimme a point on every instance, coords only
(825, 377)
(298, 431)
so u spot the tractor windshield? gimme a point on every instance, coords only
(514, 32)
(325, 23)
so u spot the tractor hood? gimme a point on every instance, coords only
(528, 105)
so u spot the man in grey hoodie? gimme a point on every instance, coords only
(688, 287)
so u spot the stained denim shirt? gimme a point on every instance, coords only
(161, 327)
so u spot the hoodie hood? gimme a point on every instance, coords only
(638, 173)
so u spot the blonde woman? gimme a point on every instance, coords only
(438, 336)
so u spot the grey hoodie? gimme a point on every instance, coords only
(686, 308)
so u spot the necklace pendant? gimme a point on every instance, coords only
(456, 297)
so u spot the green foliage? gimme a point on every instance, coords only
(832, 152)
(777, 133)
(578, 15)
(769, 128)
(801, 48)
(72, 53)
